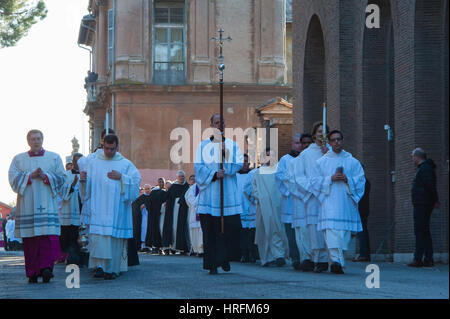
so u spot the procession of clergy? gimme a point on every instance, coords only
(302, 209)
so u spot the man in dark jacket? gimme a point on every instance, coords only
(424, 198)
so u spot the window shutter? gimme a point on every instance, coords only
(110, 36)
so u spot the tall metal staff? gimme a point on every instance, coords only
(221, 67)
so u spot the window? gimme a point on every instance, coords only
(168, 43)
(110, 37)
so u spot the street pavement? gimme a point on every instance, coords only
(182, 277)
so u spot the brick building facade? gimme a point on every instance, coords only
(395, 75)
(156, 70)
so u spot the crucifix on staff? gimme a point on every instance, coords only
(221, 67)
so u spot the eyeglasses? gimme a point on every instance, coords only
(338, 139)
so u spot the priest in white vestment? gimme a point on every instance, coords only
(195, 230)
(339, 184)
(70, 213)
(219, 248)
(112, 184)
(270, 235)
(83, 164)
(286, 198)
(37, 176)
(304, 168)
(249, 251)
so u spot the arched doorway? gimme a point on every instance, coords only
(431, 101)
(377, 114)
(314, 82)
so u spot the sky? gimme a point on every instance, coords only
(41, 87)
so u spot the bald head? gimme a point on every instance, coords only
(147, 189)
(297, 142)
(215, 121)
(418, 156)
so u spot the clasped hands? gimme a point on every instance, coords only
(38, 173)
(220, 174)
(115, 175)
(339, 177)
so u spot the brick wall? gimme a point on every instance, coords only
(396, 75)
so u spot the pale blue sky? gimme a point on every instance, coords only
(41, 86)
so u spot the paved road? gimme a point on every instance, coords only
(182, 277)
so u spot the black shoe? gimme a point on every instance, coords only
(416, 263)
(110, 276)
(251, 259)
(307, 265)
(46, 275)
(428, 263)
(336, 268)
(213, 271)
(33, 280)
(270, 263)
(320, 267)
(280, 262)
(297, 265)
(200, 255)
(226, 266)
(99, 273)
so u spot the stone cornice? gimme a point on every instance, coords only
(187, 89)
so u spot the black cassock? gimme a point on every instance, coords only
(137, 219)
(153, 203)
(176, 190)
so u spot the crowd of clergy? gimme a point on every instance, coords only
(301, 210)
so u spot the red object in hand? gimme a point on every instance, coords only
(45, 180)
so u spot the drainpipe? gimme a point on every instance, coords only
(113, 98)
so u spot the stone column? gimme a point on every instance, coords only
(200, 42)
(271, 62)
(129, 44)
(101, 43)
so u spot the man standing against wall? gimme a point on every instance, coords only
(424, 198)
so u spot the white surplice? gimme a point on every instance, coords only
(304, 168)
(70, 207)
(286, 197)
(195, 230)
(37, 207)
(110, 207)
(270, 234)
(207, 163)
(248, 217)
(83, 164)
(298, 212)
(111, 200)
(339, 216)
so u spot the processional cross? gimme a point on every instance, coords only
(221, 68)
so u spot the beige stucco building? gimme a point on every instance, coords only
(155, 70)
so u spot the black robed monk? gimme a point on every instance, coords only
(153, 203)
(176, 216)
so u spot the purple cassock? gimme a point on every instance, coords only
(40, 252)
